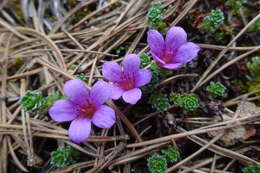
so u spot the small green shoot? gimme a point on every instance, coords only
(62, 156)
(216, 89)
(157, 164)
(34, 102)
(212, 22)
(188, 102)
(252, 168)
(145, 60)
(81, 76)
(159, 102)
(171, 154)
(155, 18)
(254, 66)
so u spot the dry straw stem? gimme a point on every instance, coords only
(238, 99)
(215, 139)
(219, 150)
(68, 49)
(3, 117)
(222, 53)
(196, 131)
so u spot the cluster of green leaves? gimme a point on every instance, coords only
(254, 66)
(81, 76)
(171, 154)
(35, 102)
(145, 60)
(63, 156)
(252, 168)
(216, 89)
(235, 5)
(158, 163)
(188, 102)
(212, 22)
(159, 102)
(155, 18)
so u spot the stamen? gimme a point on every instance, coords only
(87, 111)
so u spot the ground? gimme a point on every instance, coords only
(201, 117)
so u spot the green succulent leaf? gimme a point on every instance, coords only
(33, 101)
(212, 22)
(81, 76)
(62, 156)
(157, 164)
(171, 154)
(145, 60)
(254, 66)
(159, 102)
(188, 102)
(155, 18)
(252, 168)
(216, 89)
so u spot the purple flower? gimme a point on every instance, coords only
(126, 80)
(82, 108)
(174, 51)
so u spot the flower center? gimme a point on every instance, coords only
(168, 57)
(87, 111)
(127, 82)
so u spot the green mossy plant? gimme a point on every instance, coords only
(171, 154)
(34, 102)
(252, 168)
(188, 102)
(157, 163)
(62, 156)
(155, 18)
(212, 22)
(216, 89)
(254, 66)
(81, 76)
(159, 101)
(145, 60)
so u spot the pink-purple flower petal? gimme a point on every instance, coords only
(186, 52)
(76, 91)
(131, 63)
(63, 110)
(100, 93)
(132, 96)
(116, 92)
(157, 59)
(104, 117)
(112, 71)
(143, 77)
(79, 129)
(156, 42)
(175, 37)
(172, 66)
